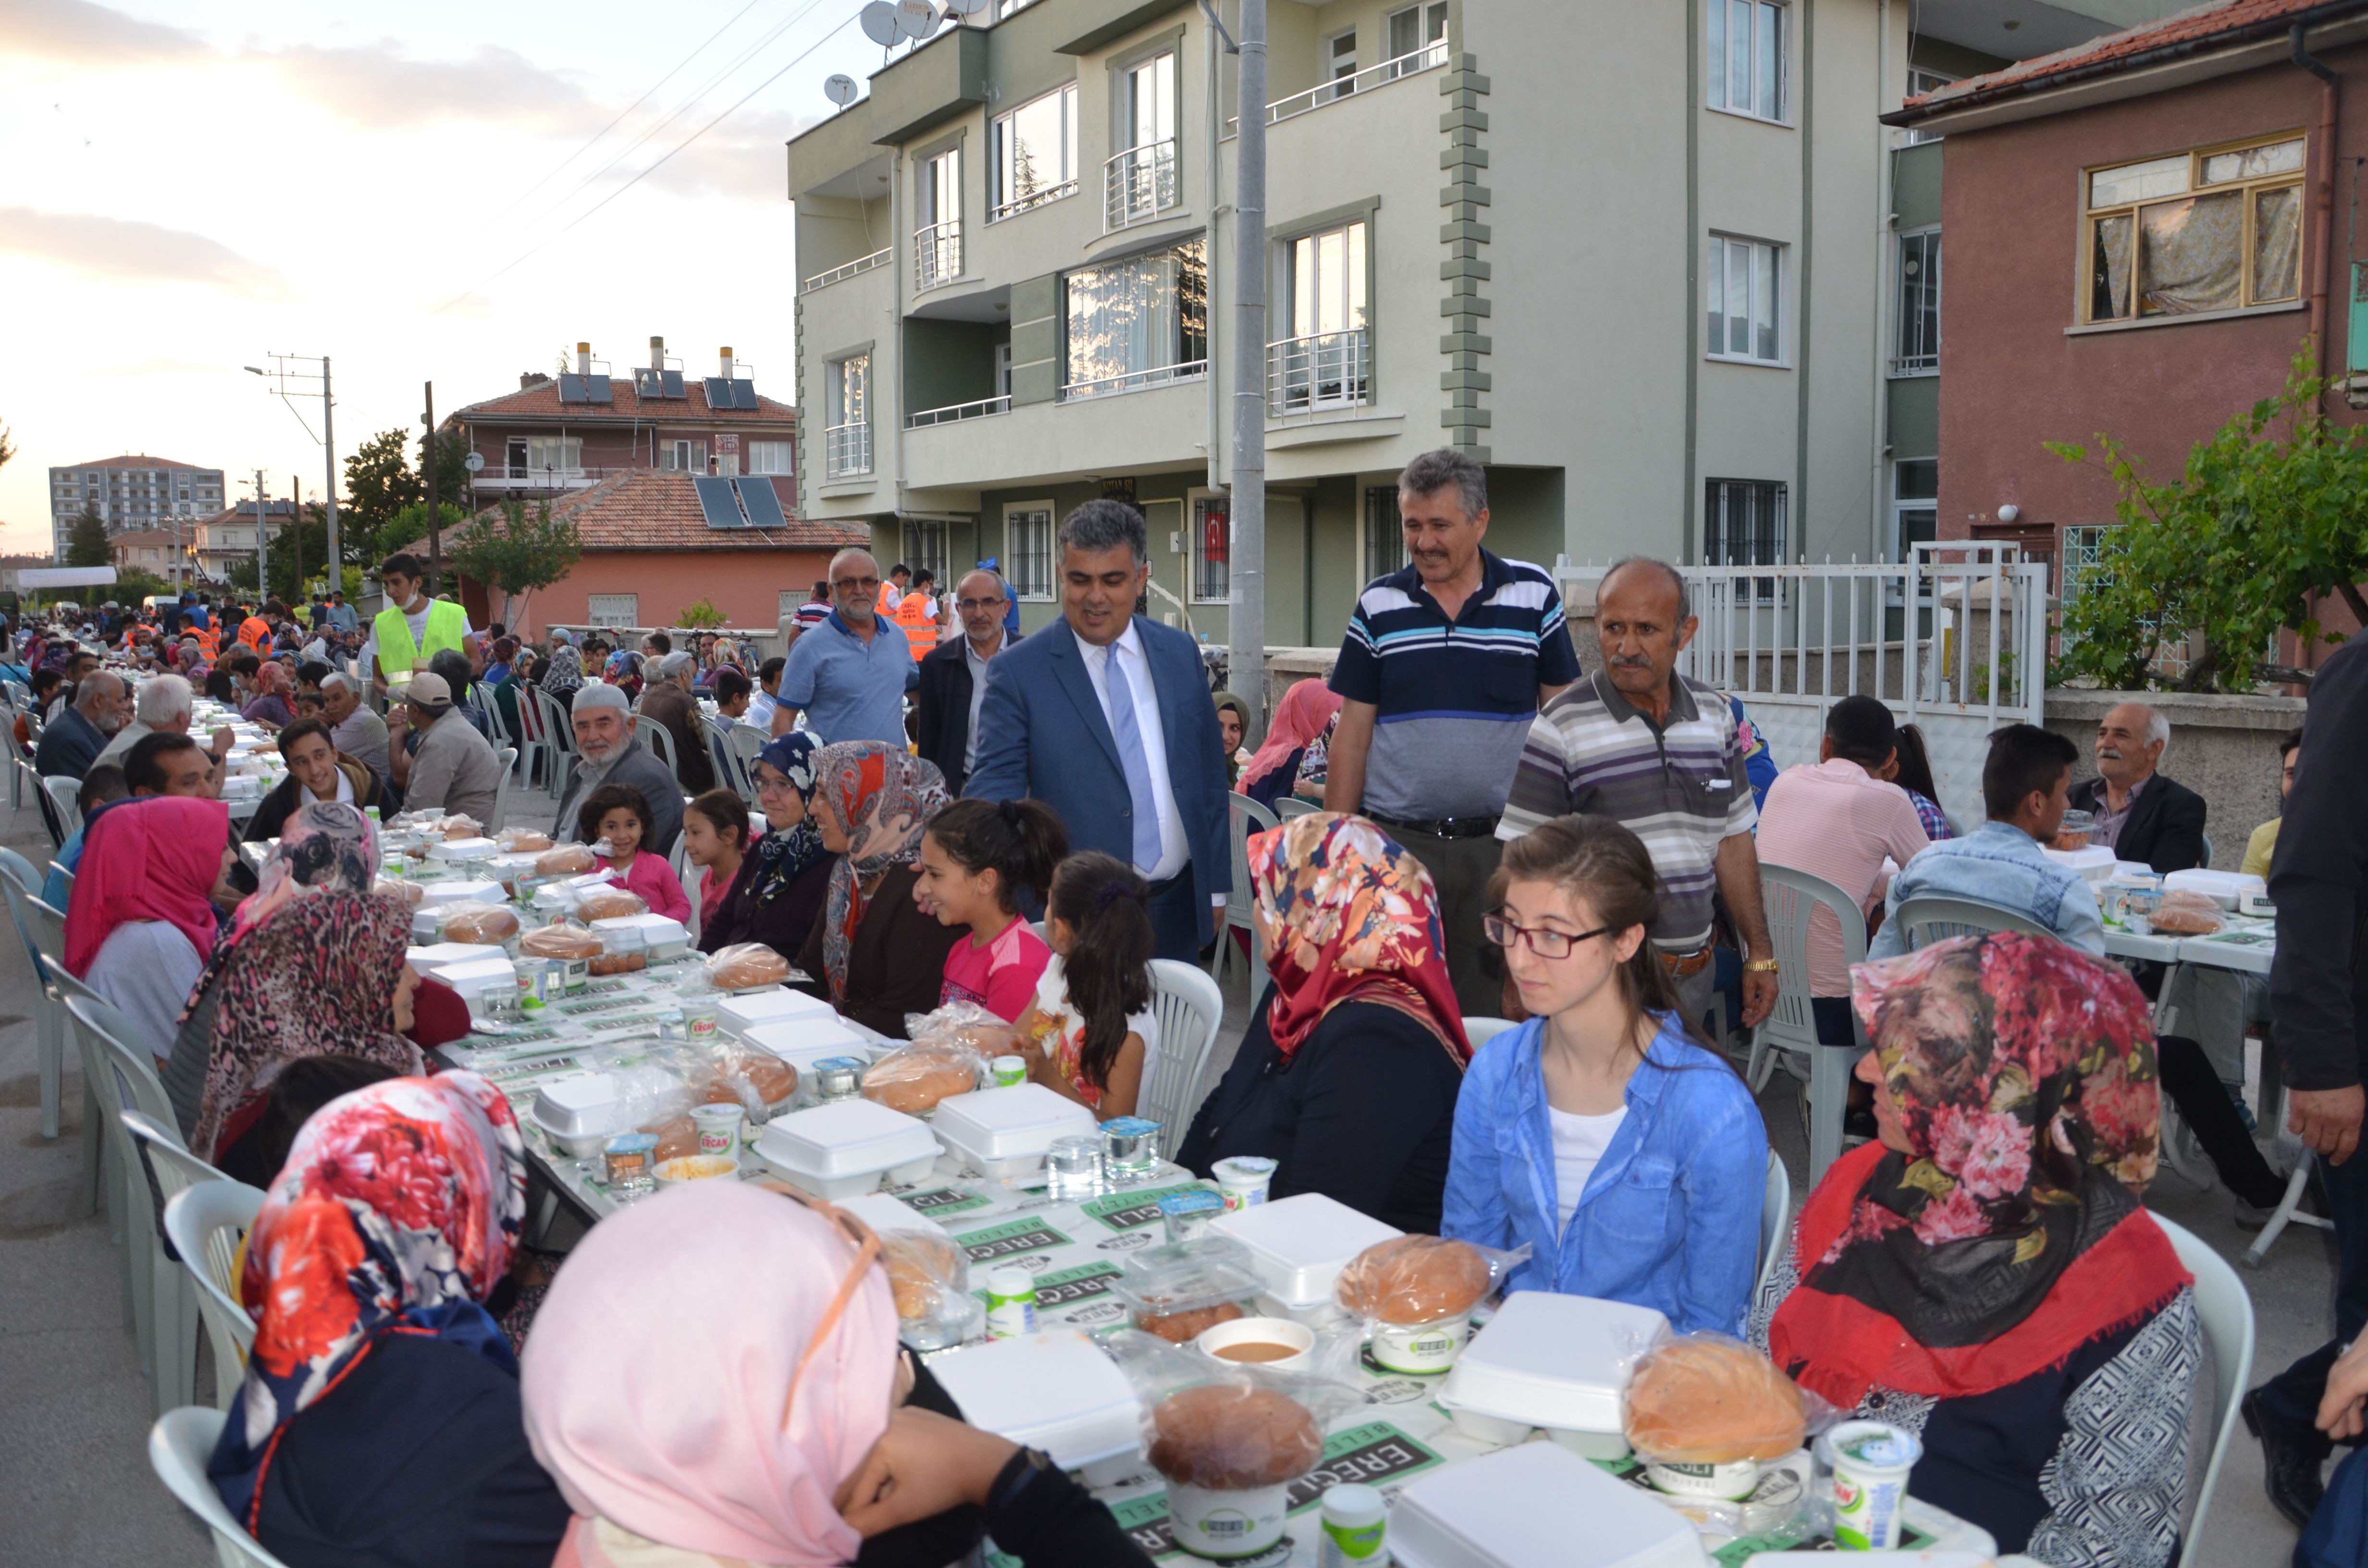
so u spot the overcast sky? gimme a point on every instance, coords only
(190, 183)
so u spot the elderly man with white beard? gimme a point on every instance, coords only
(603, 721)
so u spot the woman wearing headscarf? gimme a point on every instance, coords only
(623, 671)
(563, 677)
(1295, 751)
(379, 1424)
(784, 876)
(1982, 1274)
(1348, 1073)
(270, 706)
(768, 1416)
(143, 921)
(1233, 724)
(505, 653)
(875, 954)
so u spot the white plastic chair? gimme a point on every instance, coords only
(509, 756)
(1244, 817)
(204, 1222)
(17, 756)
(559, 734)
(520, 732)
(2227, 1314)
(1480, 1032)
(1189, 1007)
(1929, 919)
(744, 742)
(63, 790)
(179, 1447)
(49, 804)
(694, 882)
(172, 1170)
(1775, 1210)
(659, 739)
(134, 1086)
(1289, 806)
(22, 885)
(1789, 1034)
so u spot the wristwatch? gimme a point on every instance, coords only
(1760, 966)
(1013, 1478)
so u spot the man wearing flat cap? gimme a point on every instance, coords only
(452, 768)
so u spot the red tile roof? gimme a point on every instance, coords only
(542, 402)
(2221, 23)
(140, 460)
(658, 509)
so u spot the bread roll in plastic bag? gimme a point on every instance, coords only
(962, 1026)
(746, 966)
(1407, 1281)
(561, 939)
(1709, 1399)
(609, 904)
(2187, 913)
(521, 841)
(915, 1079)
(488, 924)
(406, 893)
(566, 860)
(929, 1277)
(1227, 1426)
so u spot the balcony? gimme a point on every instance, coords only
(1031, 201)
(1430, 57)
(847, 450)
(937, 254)
(521, 476)
(861, 264)
(1135, 381)
(1138, 184)
(1905, 365)
(954, 413)
(1321, 371)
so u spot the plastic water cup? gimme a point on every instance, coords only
(1072, 1167)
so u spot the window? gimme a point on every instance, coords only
(1034, 153)
(772, 457)
(1744, 55)
(1213, 550)
(614, 609)
(1139, 181)
(1384, 532)
(937, 233)
(563, 453)
(924, 545)
(728, 464)
(1915, 505)
(2206, 230)
(1322, 359)
(847, 437)
(1743, 525)
(1003, 369)
(1137, 323)
(1340, 64)
(1418, 37)
(684, 456)
(1920, 82)
(1741, 282)
(786, 603)
(1006, 7)
(1027, 549)
(1919, 352)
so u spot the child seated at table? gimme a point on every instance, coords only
(619, 815)
(977, 858)
(1089, 1033)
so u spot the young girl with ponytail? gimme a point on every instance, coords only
(977, 858)
(1091, 1018)
(1628, 1157)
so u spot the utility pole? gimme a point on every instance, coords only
(262, 533)
(434, 528)
(330, 441)
(296, 531)
(1246, 621)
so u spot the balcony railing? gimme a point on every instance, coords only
(543, 476)
(1138, 183)
(1429, 57)
(847, 450)
(1135, 381)
(861, 264)
(954, 413)
(937, 254)
(1034, 198)
(1916, 364)
(1323, 369)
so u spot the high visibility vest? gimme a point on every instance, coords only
(209, 639)
(921, 631)
(255, 632)
(398, 655)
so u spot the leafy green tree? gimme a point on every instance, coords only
(6, 451)
(452, 475)
(702, 614)
(87, 545)
(379, 484)
(312, 532)
(516, 551)
(2266, 519)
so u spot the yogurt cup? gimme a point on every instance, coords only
(1225, 1527)
(720, 1128)
(1729, 1482)
(1432, 1347)
(1243, 1180)
(1871, 1461)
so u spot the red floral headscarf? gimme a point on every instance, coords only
(397, 1212)
(884, 796)
(2025, 1078)
(1346, 915)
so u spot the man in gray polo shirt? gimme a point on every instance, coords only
(1640, 744)
(849, 674)
(453, 770)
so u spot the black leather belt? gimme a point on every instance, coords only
(1443, 827)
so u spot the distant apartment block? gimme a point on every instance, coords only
(131, 493)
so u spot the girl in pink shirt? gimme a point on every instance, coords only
(976, 858)
(620, 815)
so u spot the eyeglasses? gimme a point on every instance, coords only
(774, 785)
(978, 604)
(1545, 944)
(868, 585)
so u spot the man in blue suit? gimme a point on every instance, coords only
(1134, 766)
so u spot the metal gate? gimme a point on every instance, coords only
(1954, 640)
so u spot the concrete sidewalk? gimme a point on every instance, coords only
(75, 1410)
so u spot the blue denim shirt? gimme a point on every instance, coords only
(2000, 864)
(1669, 1220)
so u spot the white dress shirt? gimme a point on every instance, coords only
(978, 694)
(1174, 849)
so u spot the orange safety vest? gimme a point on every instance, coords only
(209, 639)
(255, 632)
(921, 631)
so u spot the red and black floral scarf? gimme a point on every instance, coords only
(2025, 1078)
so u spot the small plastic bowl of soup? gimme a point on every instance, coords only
(1264, 1342)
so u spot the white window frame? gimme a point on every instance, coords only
(601, 609)
(1719, 275)
(1013, 560)
(1370, 533)
(1718, 505)
(1197, 563)
(1718, 50)
(843, 422)
(1339, 63)
(1901, 505)
(681, 454)
(1000, 202)
(773, 458)
(1429, 48)
(924, 544)
(1921, 80)
(1911, 354)
(561, 454)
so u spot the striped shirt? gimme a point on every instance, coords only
(1453, 700)
(1681, 788)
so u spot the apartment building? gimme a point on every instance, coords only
(227, 538)
(130, 493)
(160, 552)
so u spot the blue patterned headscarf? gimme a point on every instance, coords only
(782, 858)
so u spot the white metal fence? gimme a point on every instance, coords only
(1953, 640)
(1138, 182)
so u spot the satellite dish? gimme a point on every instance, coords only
(879, 21)
(839, 90)
(916, 19)
(473, 462)
(966, 7)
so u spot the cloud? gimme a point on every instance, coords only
(380, 87)
(135, 252)
(144, 367)
(80, 33)
(741, 158)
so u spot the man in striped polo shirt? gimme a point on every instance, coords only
(1442, 670)
(1643, 744)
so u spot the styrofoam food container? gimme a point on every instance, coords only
(663, 937)
(1005, 1132)
(474, 977)
(839, 1151)
(508, 868)
(459, 890)
(802, 1043)
(1556, 1361)
(2223, 888)
(1300, 1243)
(436, 955)
(1321, 1316)
(582, 1112)
(882, 1213)
(2094, 862)
(463, 849)
(1524, 1506)
(778, 1005)
(1053, 1391)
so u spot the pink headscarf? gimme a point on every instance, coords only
(149, 860)
(659, 1366)
(1302, 715)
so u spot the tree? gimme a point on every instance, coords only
(379, 484)
(702, 614)
(6, 451)
(452, 476)
(517, 551)
(2265, 519)
(87, 545)
(312, 532)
